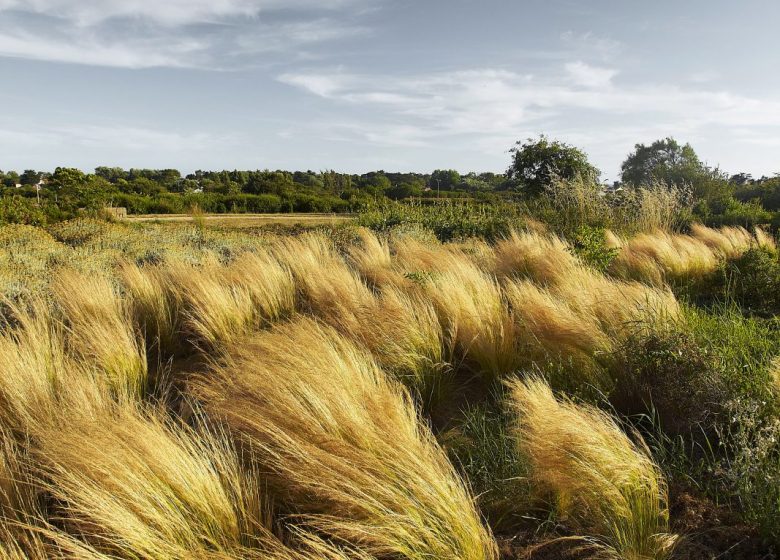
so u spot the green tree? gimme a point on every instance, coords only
(537, 163)
(668, 162)
(30, 177)
(75, 190)
(111, 174)
(447, 179)
(662, 161)
(10, 178)
(406, 189)
(375, 183)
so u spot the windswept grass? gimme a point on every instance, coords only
(155, 306)
(133, 485)
(34, 367)
(182, 392)
(600, 479)
(662, 257)
(343, 446)
(542, 258)
(100, 331)
(475, 316)
(20, 513)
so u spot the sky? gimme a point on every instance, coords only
(399, 85)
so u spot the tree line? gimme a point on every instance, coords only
(536, 165)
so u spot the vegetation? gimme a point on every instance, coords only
(483, 373)
(384, 394)
(547, 179)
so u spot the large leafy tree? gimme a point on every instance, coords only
(671, 163)
(75, 189)
(537, 163)
(665, 161)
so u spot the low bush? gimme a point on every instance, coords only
(753, 281)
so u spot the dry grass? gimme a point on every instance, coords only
(373, 260)
(606, 483)
(323, 361)
(474, 314)
(347, 453)
(133, 485)
(223, 303)
(20, 512)
(137, 487)
(34, 367)
(155, 306)
(660, 257)
(550, 324)
(542, 258)
(100, 331)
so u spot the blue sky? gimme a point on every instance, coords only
(403, 85)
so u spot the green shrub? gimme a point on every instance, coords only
(448, 220)
(753, 280)
(750, 468)
(668, 374)
(732, 212)
(20, 210)
(590, 245)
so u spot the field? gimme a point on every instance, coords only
(177, 390)
(244, 220)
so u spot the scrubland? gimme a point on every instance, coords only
(180, 391)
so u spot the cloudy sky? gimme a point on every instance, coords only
(403, 85)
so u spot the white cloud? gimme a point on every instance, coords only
(88, 49)
(489, 109)
(590, 76)
(116, 137)
(174, 33)
(168, 12)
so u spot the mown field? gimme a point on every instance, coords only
(245, 220)
(173, 391)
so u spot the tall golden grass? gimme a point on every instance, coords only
(20, 512)
(100, 331)
(605, 482)
(660, 256)
(136, 486)
(343, 446)
(313, 365)
(474, 314)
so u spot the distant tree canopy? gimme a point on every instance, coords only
(536, 163)
(446, 179)
(671, 163)
(663, 161)
(766, 191)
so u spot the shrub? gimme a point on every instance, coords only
(20, 210)
(749, 468)
(590, 245)
(669, 375)
(448, 220)
(753, 280)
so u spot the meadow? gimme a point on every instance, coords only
(468, 384)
